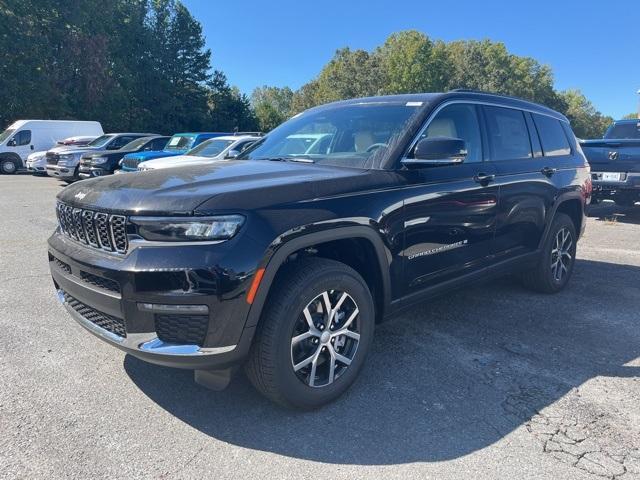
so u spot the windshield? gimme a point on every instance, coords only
(135, 144)
(624, 130)
(356, 135)
(210, 148)
(179, 143)
(6, 134)
(101, 141)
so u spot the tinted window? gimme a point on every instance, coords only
(135, 144)
(159, 143)
(180, 143)
(243, 145)
(100, 141)
(210, 148)
(23, 137)
(458, 121)
(554, 141)
(508, 133)
(624, 130)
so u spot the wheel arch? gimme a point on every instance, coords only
(14, 157)
(571, 204)
(377, 277)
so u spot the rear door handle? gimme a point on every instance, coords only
(483, 178)
(548, 171)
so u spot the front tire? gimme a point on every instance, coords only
(8, 167)
(314, 334)
(554, 269)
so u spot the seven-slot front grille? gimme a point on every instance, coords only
(96, 229)
(108, 322)
(130, 163)
(52, 158)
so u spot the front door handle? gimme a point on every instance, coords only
(548, 171)
(483, 178)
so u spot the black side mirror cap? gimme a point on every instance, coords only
(437, 151)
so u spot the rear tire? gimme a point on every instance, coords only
(554, 269)
(299, 358)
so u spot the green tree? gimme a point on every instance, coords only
(585, 120)
(272, 106)
(229, 110)
(631, 116)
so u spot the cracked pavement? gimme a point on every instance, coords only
(489, 382)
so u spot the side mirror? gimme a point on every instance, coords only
(437, 151)
(12, 143)
(233, 154)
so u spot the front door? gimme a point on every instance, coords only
(450, 214)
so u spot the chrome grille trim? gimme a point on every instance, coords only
(95, 229)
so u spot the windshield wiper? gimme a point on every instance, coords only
(288, 159)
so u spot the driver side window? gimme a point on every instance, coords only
(458, 121)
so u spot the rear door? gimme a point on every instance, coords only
(528, 178)
(449, 212)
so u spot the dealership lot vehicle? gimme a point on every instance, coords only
(481, 384)
(106, 163)
(615, 163)
(286, 261)
(24, 137)
(178, 144)
(219, 148)
(64, 163)
(37, 162)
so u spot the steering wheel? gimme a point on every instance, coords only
(375, 146)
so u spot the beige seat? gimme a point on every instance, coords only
(363, 140)
(442, 127)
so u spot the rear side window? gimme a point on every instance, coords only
(508, 133)
(552, 136)
(159, 143)
(23, 137)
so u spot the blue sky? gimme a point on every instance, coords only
(593, 48)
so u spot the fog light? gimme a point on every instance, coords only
(159, 308)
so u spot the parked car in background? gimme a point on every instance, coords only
(106, 162)
(178, 144)
(64, 163)
(284, 260)
(25, 137)
(219, 148)
(615, 163)
(37, 162)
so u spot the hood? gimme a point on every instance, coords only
(238, 185)
(144, 156)
(72, 149)
(177, 161)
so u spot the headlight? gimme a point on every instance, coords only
(184, 229)
(99, 160)
(66, 156)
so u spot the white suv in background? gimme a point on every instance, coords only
(219, 148)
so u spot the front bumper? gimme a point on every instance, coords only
(139, 278)
(61, 171)
(91, 172)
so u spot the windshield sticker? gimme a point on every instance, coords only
(414, 104)
(174, 141)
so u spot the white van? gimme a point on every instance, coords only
(24, 137)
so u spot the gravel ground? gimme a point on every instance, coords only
(489, 382)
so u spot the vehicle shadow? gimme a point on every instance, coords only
(610, 212)
(449, 377)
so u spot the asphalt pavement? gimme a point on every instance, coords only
(489, 382)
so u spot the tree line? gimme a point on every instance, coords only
(134, 65)
(142, 65)
(410, 62)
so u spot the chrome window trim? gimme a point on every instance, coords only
(446, 103)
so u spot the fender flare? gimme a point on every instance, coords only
(276, 260)
(573, 195)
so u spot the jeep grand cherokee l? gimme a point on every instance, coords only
(284, 261)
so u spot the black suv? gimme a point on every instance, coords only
(105, 163)
(284, 259)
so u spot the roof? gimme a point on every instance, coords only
(193, 134)
(237, 137)
(431, 98)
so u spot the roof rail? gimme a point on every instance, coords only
(257, 134)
